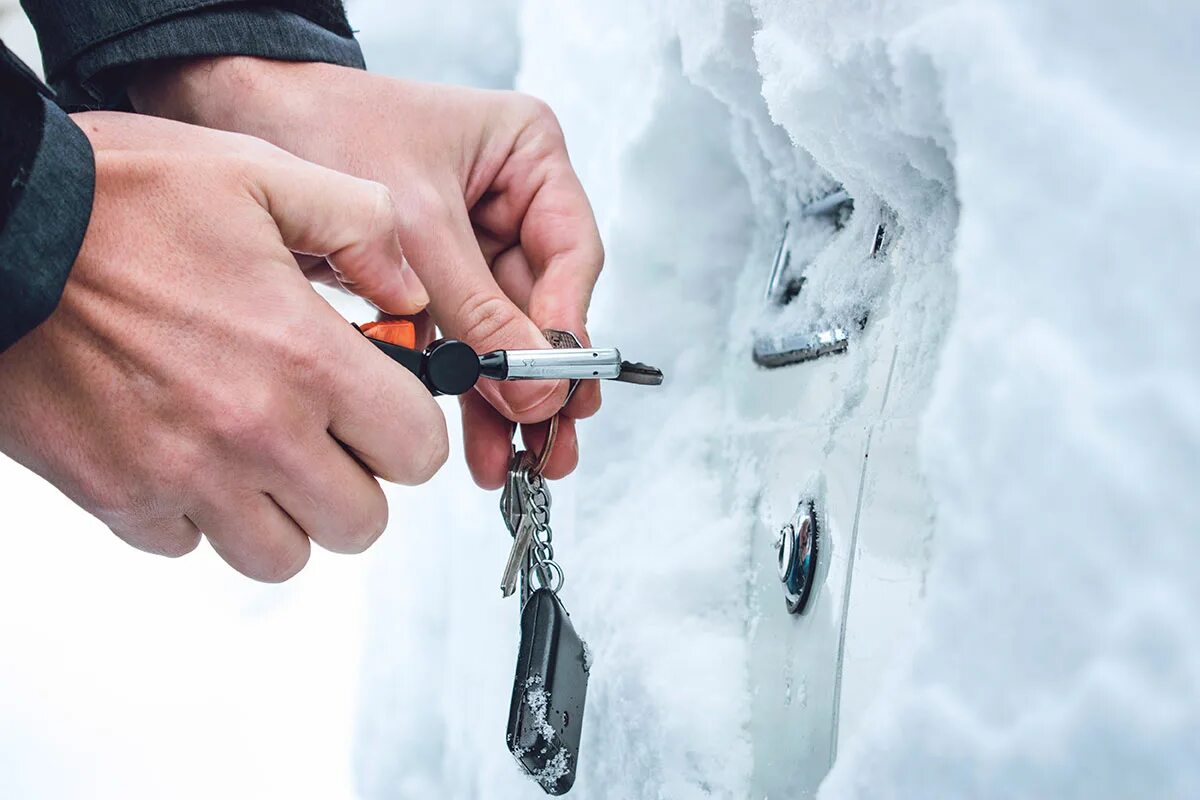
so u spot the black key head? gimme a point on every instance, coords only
(545, 719)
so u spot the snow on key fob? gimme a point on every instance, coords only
(546, 715)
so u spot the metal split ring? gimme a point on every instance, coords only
(548, 575)
(543, 457)
(558, 340)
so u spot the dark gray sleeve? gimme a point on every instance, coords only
(88, 46)
(49, 203)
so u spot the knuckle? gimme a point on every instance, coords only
(485, 317)
(259, 150)
(382, 207)
(174, 467)
(541, 113)
(245, 154)
(542, 124)
(178, 546)
(421, 208)
(277, 564)
(377, 207)
(102, 499)
(158, 536)
(436, 451)
(363, 529)
(425, 452)
(295, 345)
(240, 166)
(247, 424)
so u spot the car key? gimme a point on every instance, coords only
(526, 505)
(545, 717)
(546, 711)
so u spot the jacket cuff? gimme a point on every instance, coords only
(45, 226)
(93, 74)
(21, 124)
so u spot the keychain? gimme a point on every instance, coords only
(545, 716)
(448, 366)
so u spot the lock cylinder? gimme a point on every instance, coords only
(796, 551)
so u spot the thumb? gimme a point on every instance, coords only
(348, 221)
(468, 304)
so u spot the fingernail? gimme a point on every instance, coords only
(413, 288)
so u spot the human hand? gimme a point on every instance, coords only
(192, 381)
(491, 213)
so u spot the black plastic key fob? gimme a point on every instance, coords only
(546, 715)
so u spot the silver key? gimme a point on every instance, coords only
(518, 556)
(513, 506)
(511, 497)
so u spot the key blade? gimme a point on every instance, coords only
(639, 373)
(516, 556)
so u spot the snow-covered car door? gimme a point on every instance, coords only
(841, 452)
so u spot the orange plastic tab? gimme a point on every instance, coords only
(399, 332)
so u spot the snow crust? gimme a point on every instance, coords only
(1037, 162)
(1059, 657)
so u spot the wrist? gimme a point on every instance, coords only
(216, 91)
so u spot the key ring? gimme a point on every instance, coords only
(558, 340)
(543, 457)
(549, 575)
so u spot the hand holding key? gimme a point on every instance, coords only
(191, 380)
(491, 213)
(448, 366)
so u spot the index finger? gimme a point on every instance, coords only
(515, 277)
(468, 304)
(539, 203)
(380, 411)
(559, 242)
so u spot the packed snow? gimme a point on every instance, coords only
(1025, 384)
(1034, 160)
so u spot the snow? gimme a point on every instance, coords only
(450, 41)
(1033, 162)
(538, 702)
(1032, 326)
(1062, 438)
(127, 675)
